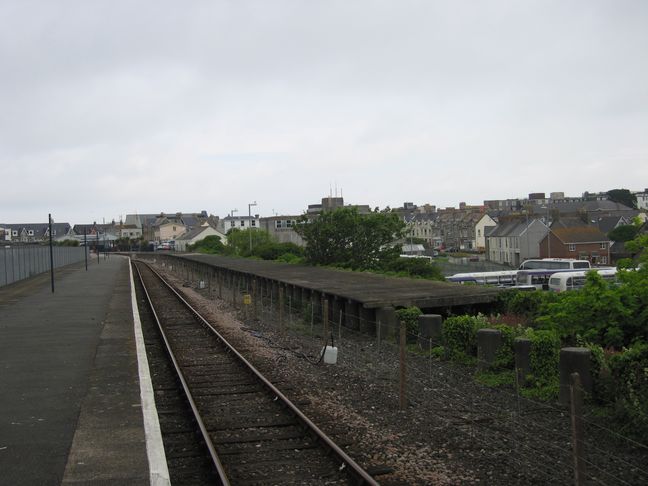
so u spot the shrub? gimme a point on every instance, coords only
(630, 376)
(272, 250)
(545, 358)
(413, 267)
(410, 317)
(459, 335)
(597, 312)
(527, 303)
(505, 358)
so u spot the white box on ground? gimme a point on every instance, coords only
(330, 355)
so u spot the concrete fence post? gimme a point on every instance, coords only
(574, 360)
(578, 443)
(403, 370)
(522, 349)
(489, 342)
(430, 328)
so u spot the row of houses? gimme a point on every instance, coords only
(507, 231)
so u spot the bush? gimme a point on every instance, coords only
(460, 335)
(598, 312)
(505, 358)
(545, 358)
(630, 376)
(527, 303)
(410, 317)
(210, 244)
(272, 251)
(413, 267)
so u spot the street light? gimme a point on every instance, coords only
(549, 233)
(250, 222)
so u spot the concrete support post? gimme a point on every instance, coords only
(296, 298)
(325, 316)
(336, 307)
(522, 348)
(574, 360)
(234, 290)
(489, 342)
(255, 303)
(367, 320)
(351, 310)
(386, 323)
(430, 329)
(281, 309)
(578, 442)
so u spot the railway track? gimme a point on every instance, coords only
(253, 433)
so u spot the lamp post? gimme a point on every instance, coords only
(250, 222)
(527, 234)
(549, 233)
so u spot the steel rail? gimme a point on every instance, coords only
(222, 475)
(361, 476)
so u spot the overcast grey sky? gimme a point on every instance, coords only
(115, 107)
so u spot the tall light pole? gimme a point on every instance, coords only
(549, 233)
(250, 222)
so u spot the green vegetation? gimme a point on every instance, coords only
(347, 239)
(238, 244)
(460, 336)
(210, 244)
(625, 232)
(623, 196)
(410, 317)
(609, 319)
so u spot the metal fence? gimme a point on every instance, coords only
(21, 262)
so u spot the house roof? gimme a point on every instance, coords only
(189, 235)
(39, 229)
(508, 228)
(608, 223)
(582, 234)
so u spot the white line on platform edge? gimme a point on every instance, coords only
(159, 472)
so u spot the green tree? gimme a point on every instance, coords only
(210, 244)
(624, 232)
(238, 241)
(623, 196)
(345, 238)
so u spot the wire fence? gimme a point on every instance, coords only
(524, 436)
(21, 262)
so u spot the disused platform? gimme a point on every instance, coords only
(369, 290)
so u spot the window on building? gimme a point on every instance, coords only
(603, 246)
(232, 223)
(14, 233)
(603, 260)
(572, 247)
(242, 223)
(253, 222)
(30, 232)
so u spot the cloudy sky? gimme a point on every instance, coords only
(115, 107)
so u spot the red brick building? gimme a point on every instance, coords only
(582, 242)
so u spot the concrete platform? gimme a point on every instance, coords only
(70, 406)
(368, 289)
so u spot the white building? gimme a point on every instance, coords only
(480, 231)
(197, 234)
(241, 222)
